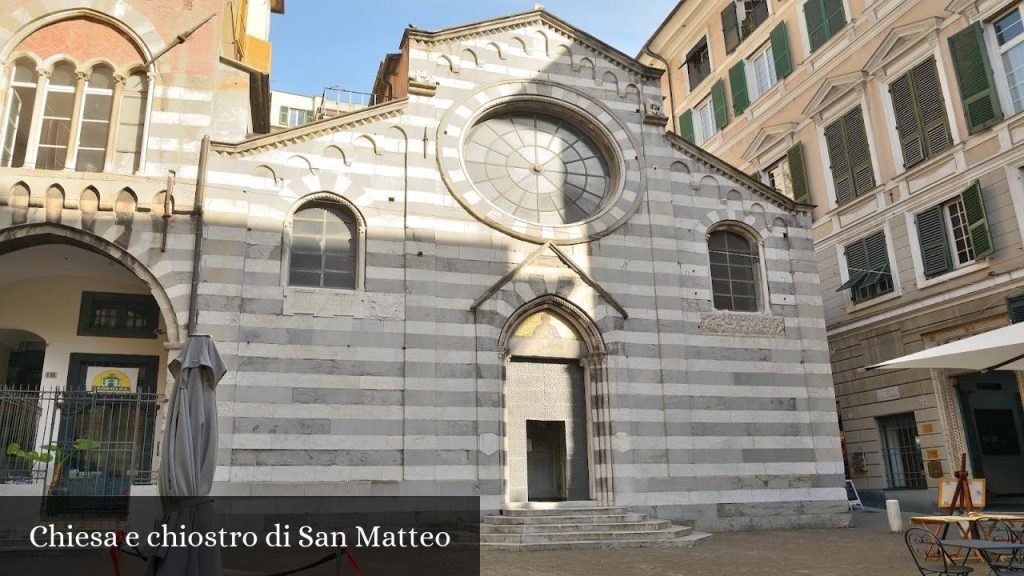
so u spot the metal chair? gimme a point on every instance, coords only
(929, 555)
(1011, 563)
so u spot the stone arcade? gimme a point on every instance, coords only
(504, 281)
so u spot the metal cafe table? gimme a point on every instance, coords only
(986, 548)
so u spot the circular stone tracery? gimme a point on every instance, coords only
(537, 167)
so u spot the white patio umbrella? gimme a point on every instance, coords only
(999, 349)
(189, 457)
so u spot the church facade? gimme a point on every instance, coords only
(504, 280)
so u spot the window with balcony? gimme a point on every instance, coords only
(954, 233)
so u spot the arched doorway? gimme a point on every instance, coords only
(94, 394)
(553, 371)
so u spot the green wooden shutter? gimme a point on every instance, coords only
(1015, 308)
(780, 50)
(977, 222)
(282, 116)
(686, 126)
(798, 174)
(730, 27)
(719, 103)
(932, 108)
(931, 235)
(878, 262)
(835, 16)
(856, 265)
(738, 83)
(859, 151)
(814, 15)
(974, 77)
(839, 162)
(904, 108)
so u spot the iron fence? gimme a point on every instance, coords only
(84, 443)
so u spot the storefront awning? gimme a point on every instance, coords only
(999, 349)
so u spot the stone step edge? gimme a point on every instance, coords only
(506, 520)
(662, 534)
(687, 541)
(587, 527)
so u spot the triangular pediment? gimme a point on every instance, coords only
(899, 40)
(832, 90)
(538, 17)
(769, 138)
(548, 250)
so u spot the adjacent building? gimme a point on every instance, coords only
(506, 280)
(900, 122)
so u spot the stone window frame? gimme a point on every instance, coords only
(83, 70)
(757, 241)
(360, 238)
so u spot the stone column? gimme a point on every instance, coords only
(76, 120)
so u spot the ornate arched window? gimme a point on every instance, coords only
(94, 129)
(94, 100)
(734, 271)
(324, 250)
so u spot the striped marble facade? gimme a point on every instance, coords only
(724, 419)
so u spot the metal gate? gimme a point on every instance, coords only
(83, 443)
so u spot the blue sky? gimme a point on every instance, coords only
(341, 42)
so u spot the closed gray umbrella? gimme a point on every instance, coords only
(189, 457)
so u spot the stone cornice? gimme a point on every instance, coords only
(539, 17)
(725, 169)
(312, 130)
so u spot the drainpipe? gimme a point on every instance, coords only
(197, 251)
(668, 70)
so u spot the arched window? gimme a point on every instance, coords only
(324, 246)
(84, 137)
(734, 267)
(18, 121)
(94, 130)
(57, 110)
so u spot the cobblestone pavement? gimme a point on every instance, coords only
(867, 548)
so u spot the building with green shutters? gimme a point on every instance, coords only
(900, 122)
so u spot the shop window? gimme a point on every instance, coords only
(118, 315)
(901, 450)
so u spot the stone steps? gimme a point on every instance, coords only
(561, 526)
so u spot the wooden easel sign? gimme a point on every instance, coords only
(947, 487)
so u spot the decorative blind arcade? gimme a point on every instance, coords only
(848, 151)
(920, 113)
(931, 233)
(867, 262)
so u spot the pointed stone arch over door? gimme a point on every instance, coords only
(554, 386)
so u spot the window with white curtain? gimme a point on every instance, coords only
(1009, 33)
(705, 121)
(761, 67)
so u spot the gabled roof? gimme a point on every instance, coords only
(533, 17)
(726, 169)
(312, 130)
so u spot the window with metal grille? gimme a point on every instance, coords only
(323, 247)
(118, 315)
(733, 276)
(901, 449)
